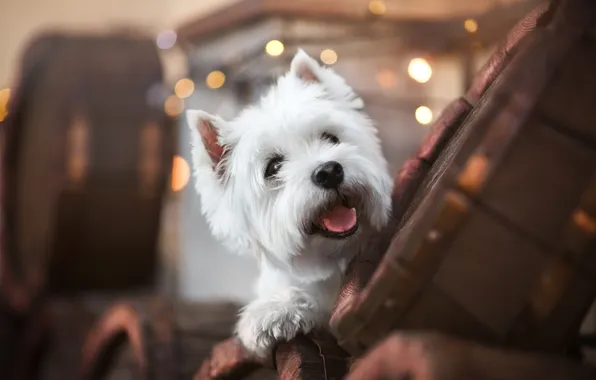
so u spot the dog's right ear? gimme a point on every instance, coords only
(309, 71)
(305, 68)
(209, 128)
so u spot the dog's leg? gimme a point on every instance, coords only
(277, 317)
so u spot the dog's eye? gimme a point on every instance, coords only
(273, 166)
(330, 137)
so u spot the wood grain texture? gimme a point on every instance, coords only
(488, 254)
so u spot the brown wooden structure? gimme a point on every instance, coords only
(498, 243)
(86, 156)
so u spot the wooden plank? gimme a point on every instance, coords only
(436, 311)
(552, 331)
(539, 182)
(568, 102)
(489, 271)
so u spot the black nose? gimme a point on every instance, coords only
(329, 175)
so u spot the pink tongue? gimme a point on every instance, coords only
(340, 219)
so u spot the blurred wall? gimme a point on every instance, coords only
(206, 270)
(21, 19)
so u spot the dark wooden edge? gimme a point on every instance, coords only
(424, 356)
(15, 289)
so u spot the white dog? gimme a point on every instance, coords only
(300, 182)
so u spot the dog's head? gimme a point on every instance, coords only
(301, 169)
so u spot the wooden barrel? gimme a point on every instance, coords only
(86, 153)
(85, 164)
(499, 242)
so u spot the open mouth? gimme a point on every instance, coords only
(336, 221)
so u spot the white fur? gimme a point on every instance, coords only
(300, 273)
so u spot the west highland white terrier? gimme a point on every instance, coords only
(300, 182)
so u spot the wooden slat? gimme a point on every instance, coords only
(489, 271)
(435, 310)
(569, 100)
(539, 182)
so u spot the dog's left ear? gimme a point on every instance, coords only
(309, 70)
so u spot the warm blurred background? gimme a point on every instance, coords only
(406, 58)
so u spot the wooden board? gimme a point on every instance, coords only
(498, 243)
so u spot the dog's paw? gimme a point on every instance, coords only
(264, 322)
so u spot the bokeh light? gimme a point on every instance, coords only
(173, 106)
(584, 221)
(386, 78)
(328, 56)
(274, 48)
(471, 25)
(4, 97)
(424, 115)
(377, 7)
(184, 88)
(180, 173)
(166, 39)
(215, 79)
(420, 70)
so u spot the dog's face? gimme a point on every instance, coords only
(300, 172)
